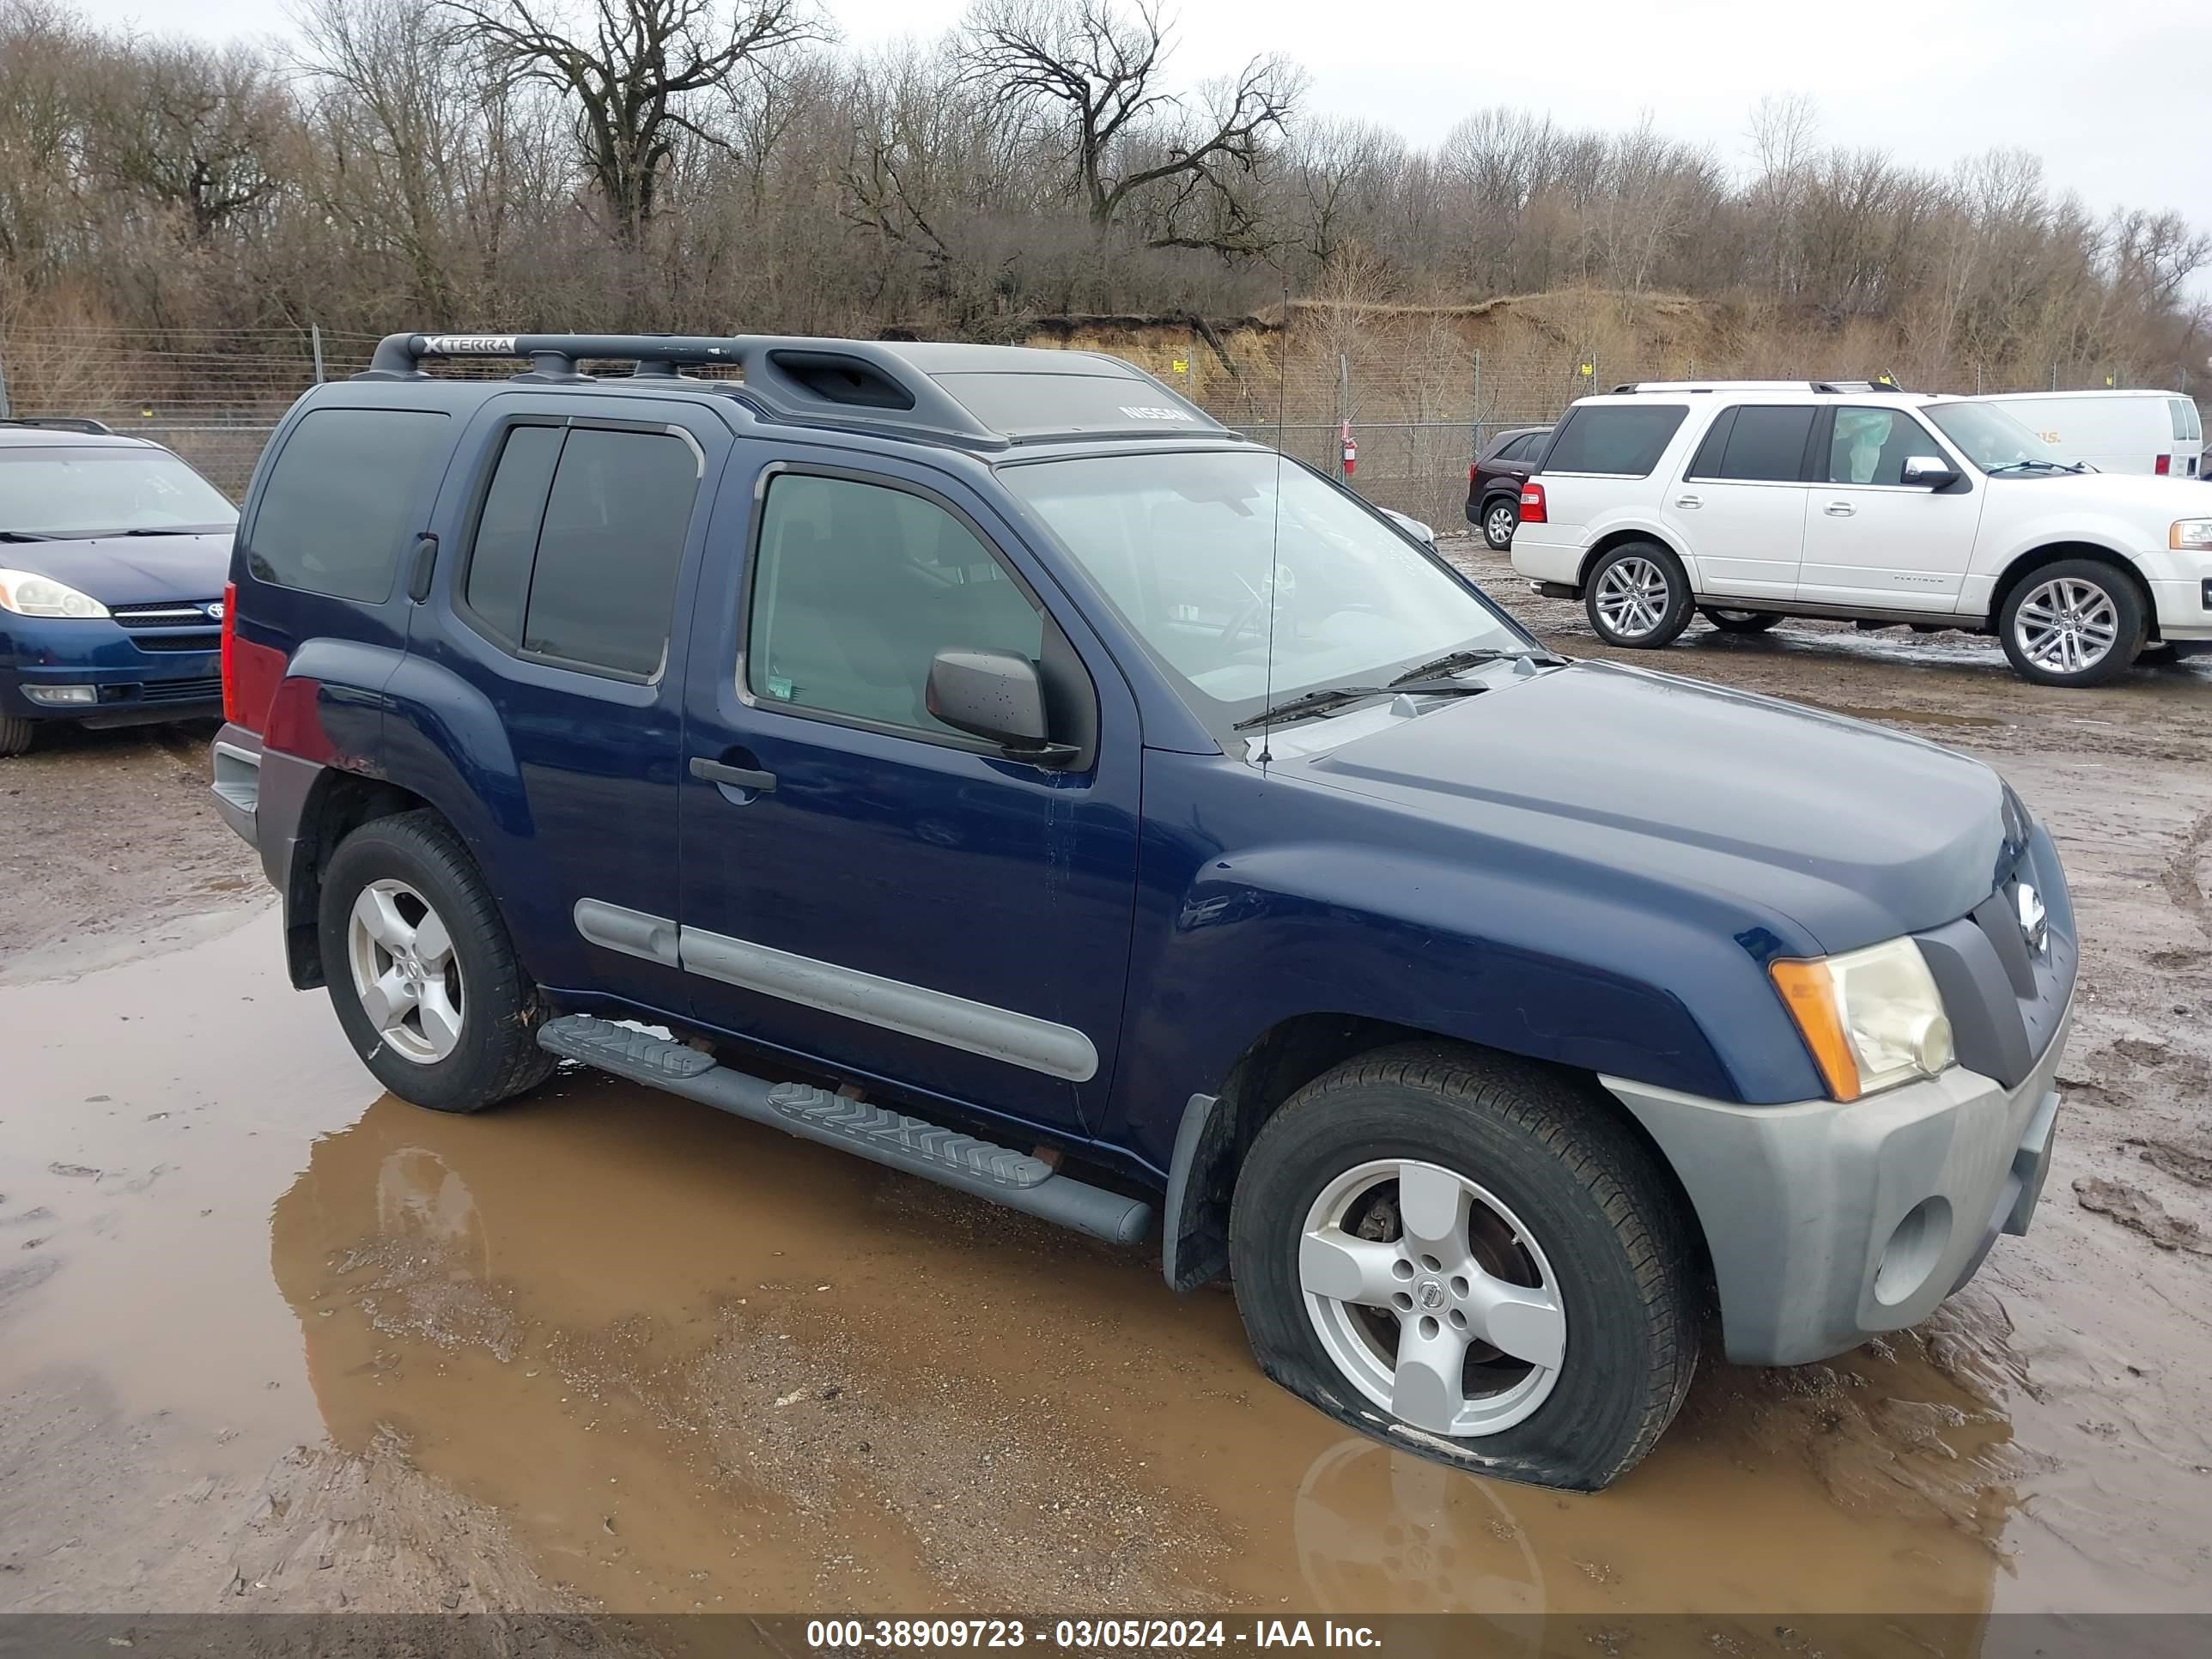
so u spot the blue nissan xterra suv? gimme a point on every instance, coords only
(984, 763)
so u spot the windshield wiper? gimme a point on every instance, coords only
(2015, 466)
(1452, 661)
(27, 536)
(1333, 696)
(164, 529)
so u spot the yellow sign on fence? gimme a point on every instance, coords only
(1181, 366)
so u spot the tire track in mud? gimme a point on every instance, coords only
(2179, 876)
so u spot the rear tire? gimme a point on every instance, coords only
(406, 924)
(16, 734)
(1740, 622)
(2072, 622)
(1499, 520)
(1638, 596)
(1535, 1218)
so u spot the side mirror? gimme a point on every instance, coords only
(997, 696)
(1930, 471)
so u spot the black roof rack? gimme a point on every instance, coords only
(60, 423)
(950, 392)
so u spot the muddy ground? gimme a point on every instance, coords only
(269, 1340)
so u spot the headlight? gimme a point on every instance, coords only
(28, 595)
(1872, 1018)
(2191, 534)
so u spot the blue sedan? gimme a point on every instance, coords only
(114, 554)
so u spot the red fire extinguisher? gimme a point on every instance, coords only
(1351, 451)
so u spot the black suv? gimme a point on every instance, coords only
(1493, 482)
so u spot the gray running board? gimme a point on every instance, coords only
(875, 1132)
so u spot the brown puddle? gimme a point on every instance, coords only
(693, 1364)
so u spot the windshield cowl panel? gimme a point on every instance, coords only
(1249, 579)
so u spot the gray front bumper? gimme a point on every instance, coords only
(1828, 1224)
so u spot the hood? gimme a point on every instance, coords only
(1853, 833)
(2156, 498)
(130, 569)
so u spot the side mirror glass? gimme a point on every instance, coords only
(997, 696)
(1930, 471)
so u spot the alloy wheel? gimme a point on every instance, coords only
(1431, 1296)
(405, 972)
(1633, 596)
(2067, 625)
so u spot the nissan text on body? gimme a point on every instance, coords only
(1131, 827)
(1754, 499)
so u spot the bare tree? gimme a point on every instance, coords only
(1092, 71)
(633, 67)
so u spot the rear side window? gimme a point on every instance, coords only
(339, 506)
(2187, 428)
(498, 579)
(1764, 442)
(579, 544)
(1622, 439)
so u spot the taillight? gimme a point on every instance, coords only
(230, 640)
(1473, 467)
(2163, 465)
(1532, 503)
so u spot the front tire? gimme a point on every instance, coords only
(1465, 1256)
(1499, 520)
(1638, 596)
(14, 735)
(422, 972)
(2072, 622)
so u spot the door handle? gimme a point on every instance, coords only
(1839, 509)
(1689, 500)
(737, 777)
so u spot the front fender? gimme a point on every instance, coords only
(1233, 941)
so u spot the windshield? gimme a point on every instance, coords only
(93, 489)
(1180, 545)
(1993, 440)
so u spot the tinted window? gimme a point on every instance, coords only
(1870, 446)
(856, 588)
(1626, 439)
(1765, 441)
(506, 530)
(340, 503)
(1519, 449)
(604, 585)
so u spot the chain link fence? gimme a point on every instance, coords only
(1415, 403)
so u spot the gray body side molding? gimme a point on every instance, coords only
(977, 1028)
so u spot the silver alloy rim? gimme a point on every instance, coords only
(1632, 597)
(405, 972)
(1501, 524)
(1432, 1298)
(2066, 625)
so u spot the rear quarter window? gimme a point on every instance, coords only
(341, 502)
(1626, 440)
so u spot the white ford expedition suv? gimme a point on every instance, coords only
(1752, 501)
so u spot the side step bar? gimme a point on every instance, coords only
(945, 1155)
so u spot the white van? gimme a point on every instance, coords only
(2156, 432)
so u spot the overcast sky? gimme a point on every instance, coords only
(2114, 95)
